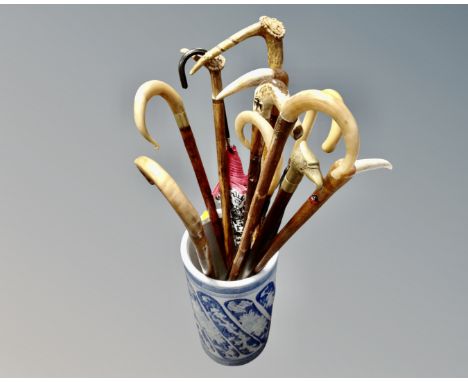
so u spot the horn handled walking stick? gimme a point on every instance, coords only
(154, 88)
(315, 201)
(214, 67)
(157, 176)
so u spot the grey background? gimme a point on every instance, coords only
(91, 282)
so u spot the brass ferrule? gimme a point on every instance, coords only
(181, 119)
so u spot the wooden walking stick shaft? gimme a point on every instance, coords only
(304, 213)
(203, 183)
(267, 232)
(282, 130)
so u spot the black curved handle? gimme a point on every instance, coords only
(183, 60)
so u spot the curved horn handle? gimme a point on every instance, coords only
(272, 30)
(325, 103)
(157, 176)
(253, 78)
(329, 144)
(334, 135)
(266, 130)
(143, 95)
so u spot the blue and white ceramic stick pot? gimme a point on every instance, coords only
(232, 317)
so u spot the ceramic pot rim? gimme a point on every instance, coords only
(221, 285)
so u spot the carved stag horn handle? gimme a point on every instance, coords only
(271, 29)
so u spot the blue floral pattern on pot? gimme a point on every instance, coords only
(233, 329)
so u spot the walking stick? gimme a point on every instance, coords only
(291, 109)
(143, 95)
(316, 200)
(157, 176)
(214, 67)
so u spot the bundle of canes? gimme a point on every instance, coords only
(291, 109)
(270, 95)
(157, 176)
(272, 31)
(302, 162)
(143, 95)
(271, 91)
(214, 67)
(331, 184)
(340, 173)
